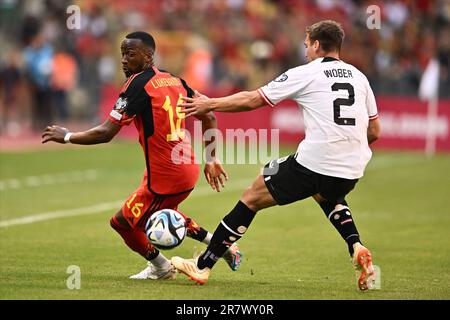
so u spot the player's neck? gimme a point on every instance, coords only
(334, 55)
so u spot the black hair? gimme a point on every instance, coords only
(145, 37)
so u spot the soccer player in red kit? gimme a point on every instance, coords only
(149, 99)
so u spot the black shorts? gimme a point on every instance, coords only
(288, 181)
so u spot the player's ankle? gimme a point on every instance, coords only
(160, 262)
(357, 245)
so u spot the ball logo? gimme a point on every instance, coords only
(166, 229)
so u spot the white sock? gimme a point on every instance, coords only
(161, 262)
(207, 239)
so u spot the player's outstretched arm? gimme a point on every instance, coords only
(100, 134)
(238, 102)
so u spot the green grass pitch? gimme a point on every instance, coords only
(292, 252)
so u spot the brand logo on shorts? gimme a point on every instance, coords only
(282, 159)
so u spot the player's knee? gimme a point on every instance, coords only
(118, 225)
(113, 223)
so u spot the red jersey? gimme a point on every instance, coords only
(149, 99)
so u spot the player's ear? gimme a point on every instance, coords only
(316, 45)
(149, 57)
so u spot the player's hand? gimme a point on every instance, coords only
(54, 133)
(215, 174)
(196, 106)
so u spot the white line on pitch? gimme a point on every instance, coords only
(48, 179)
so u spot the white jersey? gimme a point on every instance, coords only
(337, 104)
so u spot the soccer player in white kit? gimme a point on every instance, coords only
(341, 120)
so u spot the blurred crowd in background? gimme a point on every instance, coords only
(51, 74)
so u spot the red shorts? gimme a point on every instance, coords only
(142, 203)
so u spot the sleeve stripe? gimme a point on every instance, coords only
(373, 117)
(263, 95)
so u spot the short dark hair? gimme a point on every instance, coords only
(145, 37)
(329, 33)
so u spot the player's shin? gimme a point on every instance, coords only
(342, 219)
(230, 229)
(194, 231)
(136, 240)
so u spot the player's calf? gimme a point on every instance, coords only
(341, 218)
(195, 231)
(231, 229)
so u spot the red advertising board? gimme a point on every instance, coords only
(404, 123)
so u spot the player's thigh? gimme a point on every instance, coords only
(334, 189)
(257, 196)
(136, 208)
(120, 219)
(173, 201)
(288, 181)
(160, 202)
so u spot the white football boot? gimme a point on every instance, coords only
(189, 268)
(154, 273)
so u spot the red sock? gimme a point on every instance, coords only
(136, 240)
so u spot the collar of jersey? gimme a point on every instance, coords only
(329, 59)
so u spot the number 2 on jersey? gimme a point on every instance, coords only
(343, 102)
(175, 128)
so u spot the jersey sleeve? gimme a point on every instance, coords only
(285, 86)
(131, 101)
(371, 104)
